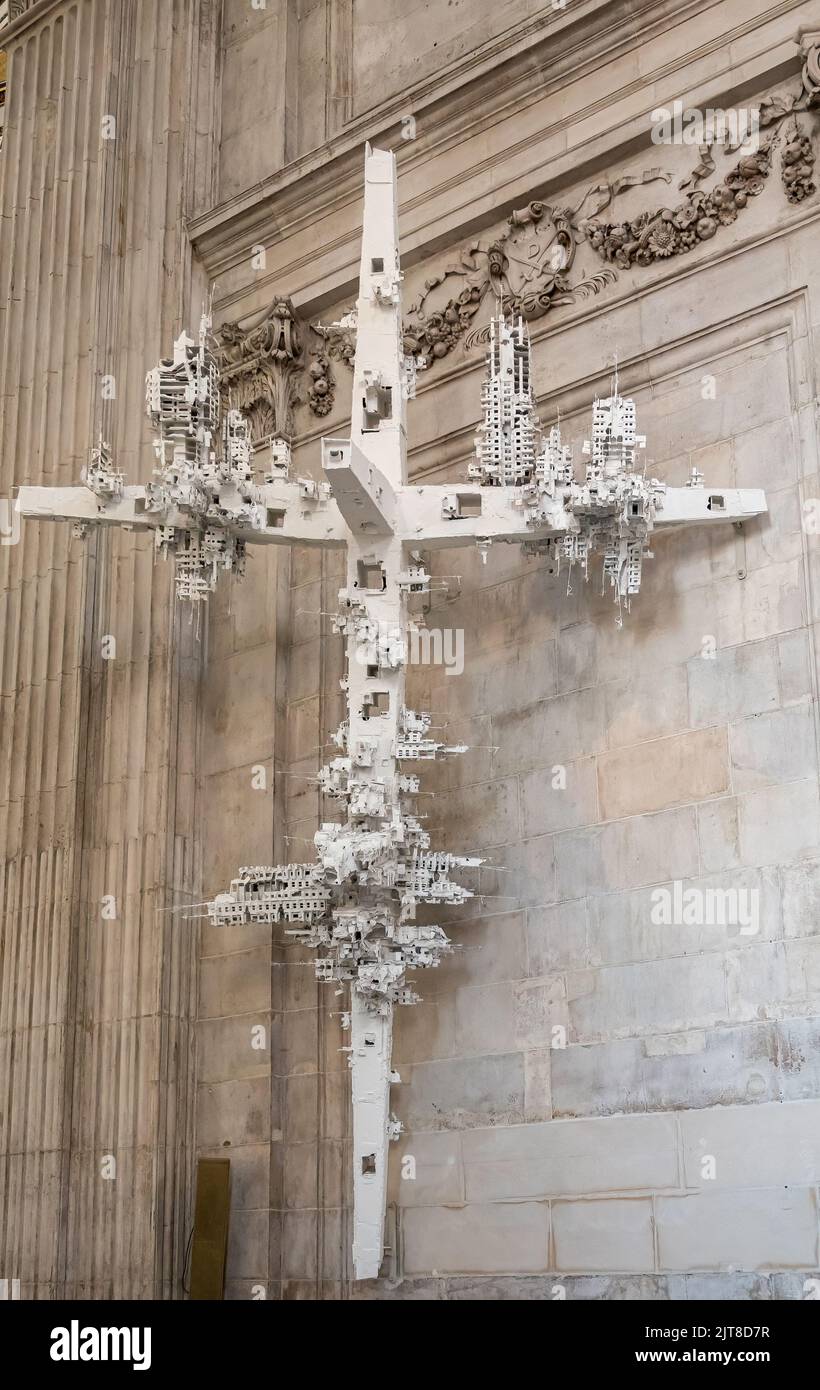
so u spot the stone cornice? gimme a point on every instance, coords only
(34, 11)
(325, 183)
(544, 53)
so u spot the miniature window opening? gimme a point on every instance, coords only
(716, 503)
(368, 1164)
(376, 702)
(372, 670)
(371, 576)
(377, 405)
(274, 517)
(469, 503)
(377, 265)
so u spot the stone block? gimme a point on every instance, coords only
(426, 1170)
(800, 886)
(299, 1244)
(234, 1112)
(557, 937)
(480, 816)
(724, 1288)
(646, 707)
(757, 981)
(560, 730)
(239, 710)
(426, 1031)
(626, 854)
(799, 1057)
(780, 824)
(733, 908)
(461, 1093)
(489, 948)
(539, 1011)
(576, 657)
(299, 1052)
(494, 1238)
(764, 456)
(736, 682)
(803, 971)
(300, 1176)
(766, 1228)
(500, 681)
(774, 747)
(722, 1066)
(521, 875)
(559, 798)
(599, 1236)
(537, 1084)
(232, 801)
(248, 1245)
(236, 983)
(230, 1048)
(485, 1019)
(651, 997)
(754, 1145)
(624, 1153)
(794, 661)
(664, 772)
(598, 1079)
(767, 602)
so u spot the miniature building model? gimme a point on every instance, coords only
(356, 903)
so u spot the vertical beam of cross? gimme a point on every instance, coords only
(375, 696)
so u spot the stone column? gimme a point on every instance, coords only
(100, 672)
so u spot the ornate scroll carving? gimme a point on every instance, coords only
(655, 235)
(811, 71)
(664, 232)
(527, 269)
(267, 370)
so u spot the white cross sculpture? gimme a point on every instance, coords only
(357, 901)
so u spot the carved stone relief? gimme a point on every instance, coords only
(665, 231)
(268, 367)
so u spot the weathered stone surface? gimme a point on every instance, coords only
(736, 681)
(720, 1066)
(623, 1154)
(592, 1236)
(762, 1229)
(754, 1146)
(651, 997)
(134, 777)
(461, 1093)
(776, 747)
(626, 854)
(664, 772)
(497, 1237)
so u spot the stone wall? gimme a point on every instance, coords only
(573, 1065)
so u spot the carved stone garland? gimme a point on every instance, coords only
(266, 370)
